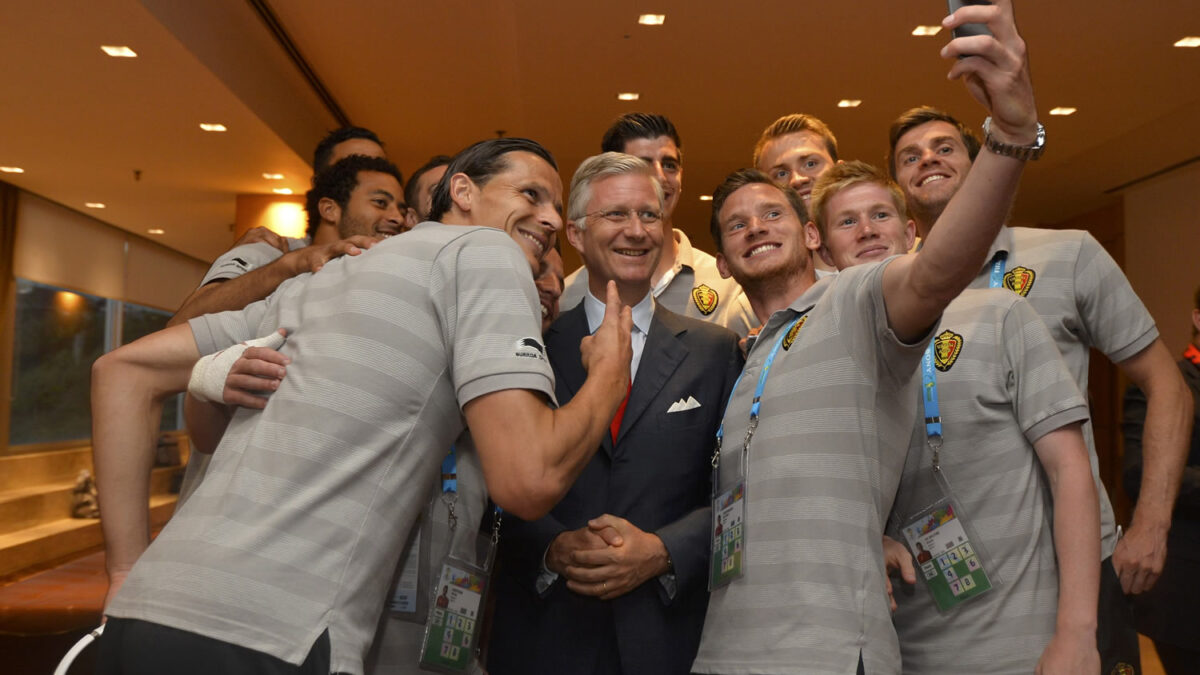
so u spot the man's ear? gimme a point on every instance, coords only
(574, 236)
(1196, 318)
(910, 236)
(462, 192)
(812, 241)
(723, 266)
(330, 211)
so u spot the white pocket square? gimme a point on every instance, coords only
(684, 404)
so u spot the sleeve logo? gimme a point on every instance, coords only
(706, 299)
(530, 348)
(946, 348)
(1020, 280)
(791, 334)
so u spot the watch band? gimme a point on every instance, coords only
(1021, 152)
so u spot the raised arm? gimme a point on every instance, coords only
(531, 454)
(129, 385)
(1064, 457)
(995, 69)
(236, 293)
(1139, 556)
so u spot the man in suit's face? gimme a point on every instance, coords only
(620, 234)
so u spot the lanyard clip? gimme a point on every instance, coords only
(935, 444)
(716, 457)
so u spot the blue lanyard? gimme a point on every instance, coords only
(450, 472)
(929, 393)
(756, 403)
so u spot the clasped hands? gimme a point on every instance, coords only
(608, 558)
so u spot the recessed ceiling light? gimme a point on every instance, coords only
(119, 51)
(155, 230)
(849, 103)
(706, 198)
(1189, 41)
(926, 31)
(209, 126)
(628, 96)
(273, 176)
(1062, 111)
(282, 191)
(12, 169)
(652, 19)
(94, 205)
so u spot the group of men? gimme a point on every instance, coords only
(703, 464)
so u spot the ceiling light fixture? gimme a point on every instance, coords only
(155, 230)
(926, 31)
(209, 126)
(706, 198)
(282, 191)
(1062, 111)
(273, 176)
(628, 96)
(94, 205)
(12, 169)
(119, 51)
(849, 103)
(1189, 41)
(652, 19)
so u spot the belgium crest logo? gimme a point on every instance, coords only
(1019, 280)
(946, 348)
(791, 334)
(706, 299)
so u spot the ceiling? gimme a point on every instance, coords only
(432, 77)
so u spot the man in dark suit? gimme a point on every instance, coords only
(614, 580)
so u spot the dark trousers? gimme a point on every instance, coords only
(133, 647)
(1116, 637)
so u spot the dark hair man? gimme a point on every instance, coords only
(1008, 442)
(795, 150)
(612, 580)
(814, 441)
(686, 280)
(345, 142)
(1167, 612)
(418, 192)
(282, 540)
(1087, 302)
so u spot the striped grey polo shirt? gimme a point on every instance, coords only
(823, 467)
(1085, 300)
(298, 525)
(1004, 387)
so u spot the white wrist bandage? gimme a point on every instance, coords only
(210, 372)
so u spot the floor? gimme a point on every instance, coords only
(43, 615)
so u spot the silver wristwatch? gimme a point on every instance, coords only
(1021, 152)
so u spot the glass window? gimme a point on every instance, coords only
(137, 322)
(59, 333)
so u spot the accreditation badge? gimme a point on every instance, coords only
(404, 601)
(950, 561)
(455, 617)
(728, 536)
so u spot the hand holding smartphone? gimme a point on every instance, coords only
(968, 29)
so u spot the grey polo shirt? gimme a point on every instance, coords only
(298, 525)
(241, 259)
(693, 288)
(1085, 300)
(834, 426)
(1004, 388)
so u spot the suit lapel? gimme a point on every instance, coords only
(663, 353)
(562, 344)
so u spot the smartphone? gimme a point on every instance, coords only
(968, 29)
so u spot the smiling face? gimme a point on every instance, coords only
(524, 200)
(931, 162)
(549, 284)
(762, 238)
(373, 209)
(796, 160)
(863, 225)
(662, 154)
(626, 252)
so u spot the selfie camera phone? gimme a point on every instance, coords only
(968, 29)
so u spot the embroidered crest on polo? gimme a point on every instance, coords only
(530, 348)
(1020, 280)
(946, 348)
(791, 334)
(706, 299)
